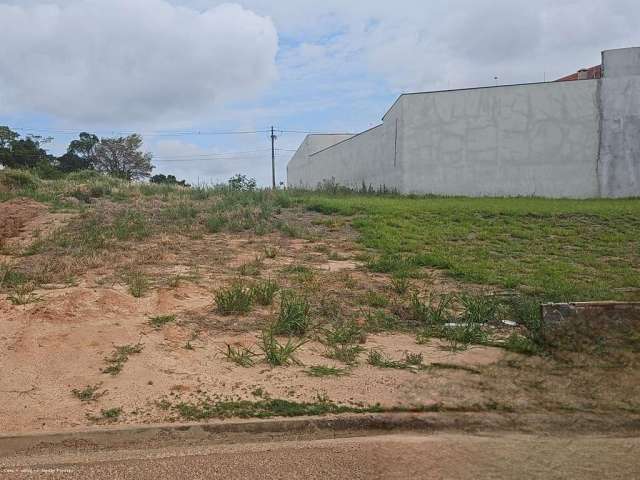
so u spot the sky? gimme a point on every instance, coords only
(190, 75)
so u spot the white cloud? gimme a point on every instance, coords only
(106, 61)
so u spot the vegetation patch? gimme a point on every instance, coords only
(276, 353)
(325, 371)
(236, 299)
(119, 357)
(160, 321)
(88, 393)
(205, 409)
(294, 317)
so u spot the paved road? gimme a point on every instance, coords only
(419, 456)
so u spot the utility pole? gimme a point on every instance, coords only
(273, 158)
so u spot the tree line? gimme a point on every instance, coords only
(118, 156)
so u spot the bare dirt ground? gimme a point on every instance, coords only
(402, 456)
(60, 339)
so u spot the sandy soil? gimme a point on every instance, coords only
(60, 342)
(402, 456)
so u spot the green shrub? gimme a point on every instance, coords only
(17, 179)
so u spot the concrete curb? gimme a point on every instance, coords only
(229, 432)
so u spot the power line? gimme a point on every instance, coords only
(157, 133)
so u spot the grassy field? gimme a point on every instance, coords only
(554, 249)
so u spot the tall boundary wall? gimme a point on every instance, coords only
(577, 139)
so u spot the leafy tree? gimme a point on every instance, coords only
(81, 153)
(122, 157)
(16, 152)
(242, 183)
(168, 179)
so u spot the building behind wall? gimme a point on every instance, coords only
(556, 139)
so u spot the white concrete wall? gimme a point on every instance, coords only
(298, 166)
(367, 157)
(560, 139)
(537, 139)
(619, 165)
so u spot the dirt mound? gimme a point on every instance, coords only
(23, 220)
(14, 214)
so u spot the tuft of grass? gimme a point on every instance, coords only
(23, 294)
(236, 299)
(10, 277)
(278, 354)
(119, 357)
(302, 273)
(379, 359)
(240, 355)
(252, 268)
(325, 371)
(161, 320)
(436, 311)
(400, 284)
(375, 299)
(520, 344)
(111, 414)
(264, 291)
(88, 393)
(342, 342)
(271, 252)
(481, 308)
(460, 336)
(294, 317)
(415, 359)
(215, 223)
(381, 321)
(138, 284)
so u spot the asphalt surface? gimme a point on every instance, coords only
(404, 456)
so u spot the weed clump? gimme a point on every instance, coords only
(161, 320)
(295, 315)
(325, 371)
(264, 291)
(278, 354)
(240, 355)
(342, 342)
(119, 357)
(236, 299)
(88, 394)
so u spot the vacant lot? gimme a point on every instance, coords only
(142, 303)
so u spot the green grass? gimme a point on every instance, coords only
(88, 393)
(555, 249)
(294, 317)
(325, 371)
(236, 299)
(264, 292)
(342, 341)
(138, 284)
(266, 408)
(119, 357)
(240, 355)
(161, 320)
(278, 354)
